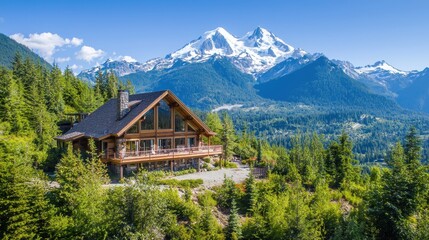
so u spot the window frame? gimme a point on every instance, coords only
(170, 110)
(142, 121)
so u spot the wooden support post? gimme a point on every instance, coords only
(172, 165)
(198, 166)
(208, 148)
(121, 172)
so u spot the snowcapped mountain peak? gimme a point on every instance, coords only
(254, 53)
(121, 66)
(214, 42)
(259, 33)
(261, 37)
(218, 31)
(380, 63)
(382, 77)
(378, 67)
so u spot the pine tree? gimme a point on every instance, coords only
(233, 229)
(215, 124)
(208, 227)
(100, 87)
(81, 194)
(42, 121)
(401, 191)
(259, 152)
(12, 106)
(228, 137)
(112, 85)
(251, 193)
(24, 209)
(317, 154)
(92, 152)
(413, 147)
(339, 161)
(130, 87)
(54, 89)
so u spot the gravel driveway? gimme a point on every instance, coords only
(214, 178)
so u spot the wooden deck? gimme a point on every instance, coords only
(164, 154)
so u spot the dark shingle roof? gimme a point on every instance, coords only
(104, 121)
(70, 136)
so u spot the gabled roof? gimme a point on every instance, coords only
(104, 122)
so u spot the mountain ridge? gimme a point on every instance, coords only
(262, 55)
(323, 82)
(253, 53)
(9, 48)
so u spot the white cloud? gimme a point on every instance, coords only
(88, 53)
(62, 59)
(115, 57)
(46, 44)
(76, 41)
(128, 59)
(74, 67)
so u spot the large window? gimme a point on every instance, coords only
(164, 115)
(179, 142)
(133, 129)
(179, 122)
(190, 128)
(191, 142)
(131, 146)
(164, 143)
(148, 122)
(146, 145)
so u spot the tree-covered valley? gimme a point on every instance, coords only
(315, 187)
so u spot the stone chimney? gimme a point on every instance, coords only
(122, 103)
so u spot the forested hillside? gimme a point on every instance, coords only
(416, 95)
(314, 190)
(322, 82)
(201, 85)
(9, 48)
(34, 99)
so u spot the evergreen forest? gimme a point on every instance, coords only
(316, 187)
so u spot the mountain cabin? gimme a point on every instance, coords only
(153, 130)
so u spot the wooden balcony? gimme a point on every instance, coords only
(163, 154)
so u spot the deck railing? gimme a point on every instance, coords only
(170, 152)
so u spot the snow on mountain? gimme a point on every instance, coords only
(380, 69)
(261, 54)
(347, 68)
(254, 53)
(121, 67)
(383, 78)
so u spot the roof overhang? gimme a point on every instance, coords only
(69, 137)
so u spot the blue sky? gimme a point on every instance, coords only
(84, 33)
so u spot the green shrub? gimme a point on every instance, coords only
(184, 210)
(187, 183)
(206, 199)
(183, 172)
(230, 165)
(207, 159)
